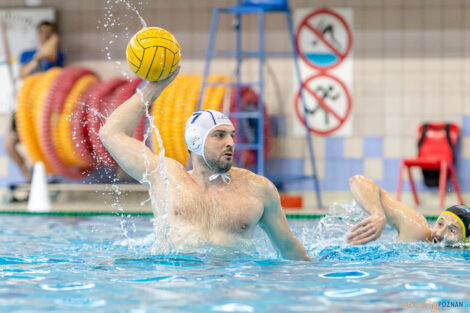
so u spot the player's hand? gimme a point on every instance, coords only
(369, 229)
(165, 82)
(152, 90)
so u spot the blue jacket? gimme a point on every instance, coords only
(44, 65)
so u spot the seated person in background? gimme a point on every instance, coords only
(452, 225)
(40, 59)
(44, 57)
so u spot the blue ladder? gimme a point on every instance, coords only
(259, 7)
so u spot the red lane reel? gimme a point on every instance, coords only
(96, 116)
(53, 105)
(249, 103)
(79, 127)
(125, 93)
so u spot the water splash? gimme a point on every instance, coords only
(116, 26)
(163, 243)
(332, 228)
(134, 9)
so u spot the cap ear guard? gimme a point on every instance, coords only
(193, 139)
(198, 127)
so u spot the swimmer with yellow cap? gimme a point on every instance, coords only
(453, 223)
(452, 226)
(213, 204)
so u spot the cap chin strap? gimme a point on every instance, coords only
(224, 176)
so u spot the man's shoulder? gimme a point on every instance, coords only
(244, 173)
(254, 180)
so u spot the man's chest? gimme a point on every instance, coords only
(229, 210)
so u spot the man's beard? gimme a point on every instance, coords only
(219, 165)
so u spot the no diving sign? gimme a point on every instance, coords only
(323, 39)
(327, 104)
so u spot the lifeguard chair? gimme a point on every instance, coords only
(436, 145)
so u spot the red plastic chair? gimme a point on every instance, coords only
(436, 142)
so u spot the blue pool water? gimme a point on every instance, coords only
(86, 264)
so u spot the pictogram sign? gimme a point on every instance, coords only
(327, 103)
(323, 39)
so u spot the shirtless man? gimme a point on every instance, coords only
(213, 203)
(452, 225)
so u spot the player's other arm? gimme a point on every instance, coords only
(410, 224)
(47, 51)
(274, 223)
(133, 157)
(27, 67)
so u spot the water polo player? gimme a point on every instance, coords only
(213, 203)
(453, 224)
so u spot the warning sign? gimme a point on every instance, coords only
(327, 104)
(323, 39)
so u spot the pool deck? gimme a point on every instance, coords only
(82, 199)
(84, 208)
(94, 208)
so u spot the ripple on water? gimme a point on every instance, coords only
(81, 302)
(347, 293)
(35, 260)
(182, 261)
(156, 278)
(65, 287)
(349, 274)
(421, 286)
(233, 307)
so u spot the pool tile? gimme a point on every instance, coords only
(3, 166)
(374, 168)
(14, 173)
(2, 148)
(463, 168)
(278, 126)
(466, 126)
(334, 148)
(338, 172)
(373, 147)
(353, 147)
(293, 166)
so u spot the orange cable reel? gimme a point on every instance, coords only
(63, 134)
(42, 90)
(25, 120)
(53, 105)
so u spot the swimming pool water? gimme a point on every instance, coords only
(86, 264)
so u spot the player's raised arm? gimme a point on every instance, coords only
(116, 134)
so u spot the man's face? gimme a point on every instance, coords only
(44, 33)
(218, 148)
(446, 227)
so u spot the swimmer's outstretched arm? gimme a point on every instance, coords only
(274, 223)
(116, 134)
(410, 224)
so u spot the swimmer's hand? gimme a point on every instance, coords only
(152, 90)
(369, 229)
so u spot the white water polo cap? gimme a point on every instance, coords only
(199, 125)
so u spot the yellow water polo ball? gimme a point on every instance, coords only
(153, 53)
